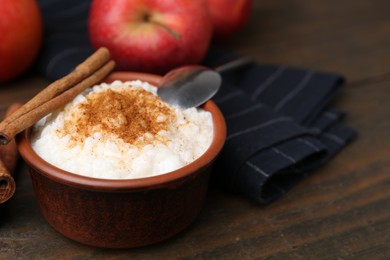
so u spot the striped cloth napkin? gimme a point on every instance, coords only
(280, 125)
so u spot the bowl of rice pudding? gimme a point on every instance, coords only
(119, 168)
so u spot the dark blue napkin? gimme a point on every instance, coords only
(280, 125)
(65, 40)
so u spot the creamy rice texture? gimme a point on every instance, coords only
(122, 130)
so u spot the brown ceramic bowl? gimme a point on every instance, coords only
(123, 213)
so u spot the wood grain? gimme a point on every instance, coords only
(340, 212)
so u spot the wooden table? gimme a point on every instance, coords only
(340, 212)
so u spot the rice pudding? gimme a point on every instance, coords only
(122, 130)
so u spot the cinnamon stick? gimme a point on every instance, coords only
(93, 70)
(8, 159)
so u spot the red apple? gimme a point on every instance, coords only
(151, 35)
(21, 36)
(228, 16)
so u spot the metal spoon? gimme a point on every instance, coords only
(191, 86)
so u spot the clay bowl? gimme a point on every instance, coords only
(123, 213)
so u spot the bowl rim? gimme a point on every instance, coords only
(98, 184)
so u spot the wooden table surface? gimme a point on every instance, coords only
(340, 212)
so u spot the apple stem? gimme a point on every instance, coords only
(149, 18)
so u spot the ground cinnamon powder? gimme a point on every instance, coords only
(126, 114)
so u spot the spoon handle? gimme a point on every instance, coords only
(234, 64)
